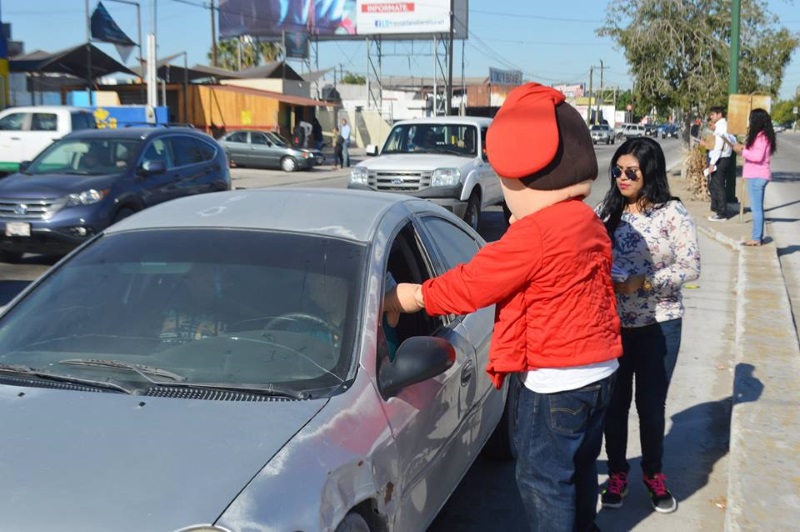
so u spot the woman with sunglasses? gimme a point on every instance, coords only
(655, 251)
(756, 152)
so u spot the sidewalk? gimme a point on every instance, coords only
(764, 483)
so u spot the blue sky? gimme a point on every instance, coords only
(551, 42)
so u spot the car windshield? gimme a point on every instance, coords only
(599, 128)
(86, 157)
(216, 308)
(453, 139)
(277, 139)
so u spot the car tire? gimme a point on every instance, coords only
(288, 164)
(11, 257)
(472, 215)
(506, 212)
(353, 522)
(502, 444)
(123, 213)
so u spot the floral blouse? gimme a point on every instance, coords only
(661, 244)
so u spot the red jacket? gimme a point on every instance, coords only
(550, 276)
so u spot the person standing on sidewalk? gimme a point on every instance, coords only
(756, 151)
(338, 148)
(655, 251)
(556, 326)
(346, 145)
(718, 162)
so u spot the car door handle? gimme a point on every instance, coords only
(467, 372)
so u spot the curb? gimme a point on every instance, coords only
(763, 478)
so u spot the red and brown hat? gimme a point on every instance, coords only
(536, 135)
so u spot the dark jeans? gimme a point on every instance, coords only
(560, 436)
(649, 357)
(716, 187)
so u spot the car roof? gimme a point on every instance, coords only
(45, 109)
(340, 213)
(133, 132)
(477, 120)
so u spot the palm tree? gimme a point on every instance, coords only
(239, 53)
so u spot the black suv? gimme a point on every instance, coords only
(90, 179)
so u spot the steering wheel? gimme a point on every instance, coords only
(301, 316)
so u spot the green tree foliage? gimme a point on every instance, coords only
(245, 52)
(678, 50)
(354, 79)
(782, 112)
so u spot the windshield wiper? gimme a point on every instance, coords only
(270, 389)
(19, 369)
(141, 369)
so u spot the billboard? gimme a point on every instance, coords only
(505, 77)
(295, 45)
(341, 19)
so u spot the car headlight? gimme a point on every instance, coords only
(445, 177)
(87, 197)
(359, 175)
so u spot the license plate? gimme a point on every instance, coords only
(18, 229)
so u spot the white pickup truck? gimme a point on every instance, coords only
(442, 159)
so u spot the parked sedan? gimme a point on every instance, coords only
(261, 149)
(602, 133)
(221, 363)
(90, 179)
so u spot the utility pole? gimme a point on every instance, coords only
(599, 100)
(213, 35)
(733, 88)
(589, 107)
(449, 96)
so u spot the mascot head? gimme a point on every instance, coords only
(541, 148)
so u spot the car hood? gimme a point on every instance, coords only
(100, 461)
(415, 161)
(48, 186)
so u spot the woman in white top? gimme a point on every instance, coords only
(655, 251)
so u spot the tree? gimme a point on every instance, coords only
(678, 50)
(353, 79)
(245, 52)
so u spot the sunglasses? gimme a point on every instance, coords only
(631, 173)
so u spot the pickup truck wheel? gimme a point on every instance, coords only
(473, 213)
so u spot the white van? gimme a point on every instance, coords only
(26, 131)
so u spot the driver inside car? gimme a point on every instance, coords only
(194, 312)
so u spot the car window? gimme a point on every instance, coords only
(215, 306)
(436, 138)
(185, 151)
(44, 122)
(239, 136)
(259, 138)
(95, 156)
(157, 151)
(83, 121)
(206, 150)
(455, 245)
(13, 122)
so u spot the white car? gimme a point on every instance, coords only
(633, 130)
(442, 159)
(27, 131)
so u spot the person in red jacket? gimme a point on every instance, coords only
(556, 325)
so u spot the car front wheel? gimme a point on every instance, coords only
(288, 164)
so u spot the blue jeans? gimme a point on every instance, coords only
(649, 357)
(559, 439)
(346, 153)
(755, 189)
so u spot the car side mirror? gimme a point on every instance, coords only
(419, 358)
(372, 149)
(24, 165)
(153, 167)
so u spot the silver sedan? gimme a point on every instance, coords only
(221, 362)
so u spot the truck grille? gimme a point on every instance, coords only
(24, 210)
(398, 180)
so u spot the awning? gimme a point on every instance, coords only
(72, 61)
(286, 98)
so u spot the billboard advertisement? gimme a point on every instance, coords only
(505, 77)
(341, 19)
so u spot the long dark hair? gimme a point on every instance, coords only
(760, 121)
(655, 189)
